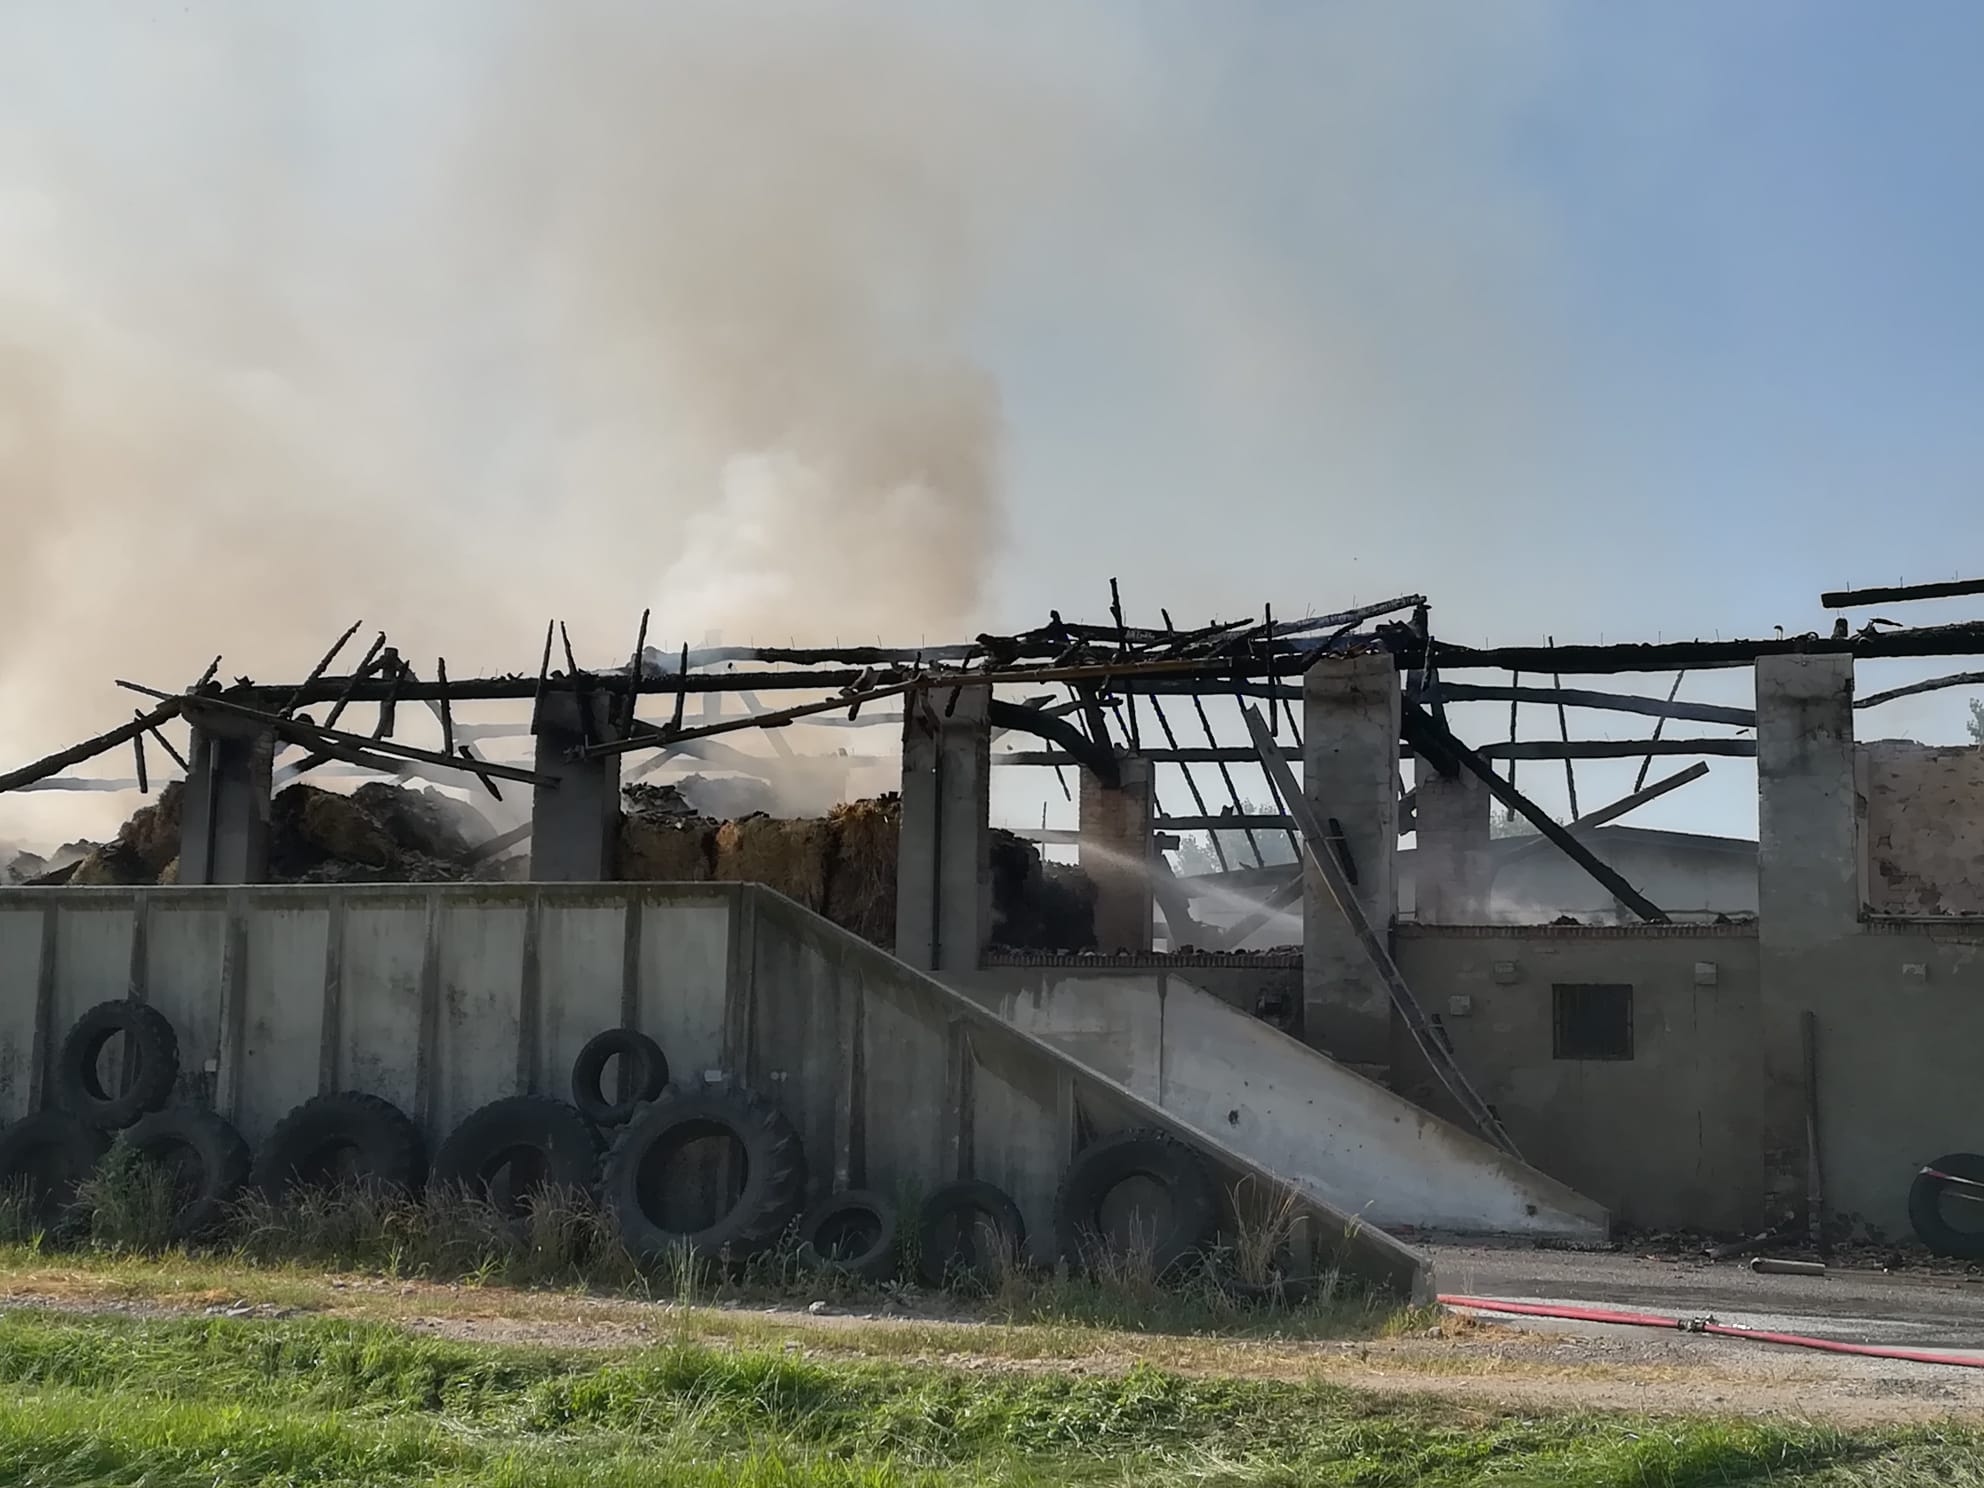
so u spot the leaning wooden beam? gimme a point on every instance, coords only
(1563, 732)
(1661, 723)
(1610, 702)
(1191, 782)
(321, 667)
(1934, 684)
(1839, 599)
(367, 665)
(397, 673)
(1548, 749)
(333, 742)
(1425, 734)
(500, 844)
(144, 776)
(634, 671)
(1617, 809)
(164, 743)
(1317, 855)
(75, 754)
(1099, 760)
(447, 714)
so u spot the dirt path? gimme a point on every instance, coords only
(1461, 1359)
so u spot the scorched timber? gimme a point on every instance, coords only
(1966, 639)
(55, 763)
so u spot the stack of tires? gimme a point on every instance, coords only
(711, 1169)
(51, 1153)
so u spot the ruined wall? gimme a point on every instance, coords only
(1924, 827)
(1666, 1138)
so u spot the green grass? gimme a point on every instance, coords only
(217, 1402)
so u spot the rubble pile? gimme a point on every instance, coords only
(380, 833)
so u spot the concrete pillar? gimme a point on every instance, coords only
(1808, 885)
(944, 852)
(574, 827)
(1115, 851)
(224, 825)
(1350, 773)
(1451, 868)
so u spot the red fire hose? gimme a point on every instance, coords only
(1706, 1325)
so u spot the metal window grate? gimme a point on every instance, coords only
(1592, 1020)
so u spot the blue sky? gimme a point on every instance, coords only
(1746, 244)
(1608, 321)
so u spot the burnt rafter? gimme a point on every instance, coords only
(1098, 759)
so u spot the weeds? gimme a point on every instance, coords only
(20, 1218)
(563, 1239)
(129, 1201)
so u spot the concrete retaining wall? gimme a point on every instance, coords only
(1368, 1151)
(440, 998)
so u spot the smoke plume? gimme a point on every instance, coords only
(457, 323)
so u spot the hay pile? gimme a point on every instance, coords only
(662, 839)
(145, 848)
(861, 881)
(843, 866)
(790, 856)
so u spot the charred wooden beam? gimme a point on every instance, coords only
(340, 745)
(1660, 723)
(1563, 732)
(634, 671)
(447, 714)
(138, 750)
(1221, 822)
(1839, 599)
(1424, 732)
(1189, 755)
(1965, 639)
(500, 844)
(367, 665)
(396, 675)
(53, 764)
(1933, 684)
(165, 744)
(1316, 852)
(498, 689)
(1099, 760)
(1611, 702)
(1630, 802)
(1547, 749)
(321, 667)
(1191, 781)
(646, 736)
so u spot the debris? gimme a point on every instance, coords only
(1770, 1267)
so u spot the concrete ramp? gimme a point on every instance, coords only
(443, 997)
(1363, 1149)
